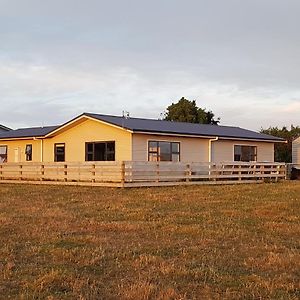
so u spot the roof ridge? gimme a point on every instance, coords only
(5, 127)
(36, 127)
(150, 119)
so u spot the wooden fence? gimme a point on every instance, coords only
(132, 173)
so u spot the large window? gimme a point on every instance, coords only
(3, 154)
(28, 152)
(59, 152)
(245, 153)
(163, 151)
(100, 151)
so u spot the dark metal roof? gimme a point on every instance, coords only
(27, 132)
(4, 128)
(152, 126)
(170, 127)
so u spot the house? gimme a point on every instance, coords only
(295, 174)
(296, 151)
(96, 137)
(2, 130)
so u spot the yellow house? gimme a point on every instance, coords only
(95, 137)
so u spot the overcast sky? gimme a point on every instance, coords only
(241, 59)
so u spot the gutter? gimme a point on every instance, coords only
(210, 148)
(207, 136)
(252, 140)
(172, 134)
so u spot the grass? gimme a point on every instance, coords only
(198, 242)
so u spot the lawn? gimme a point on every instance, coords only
(192, 242)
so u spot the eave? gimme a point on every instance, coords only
(207, 136)
(78, 120)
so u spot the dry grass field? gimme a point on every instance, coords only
(197, 242)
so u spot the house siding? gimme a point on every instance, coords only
(223, 150)
(16, 150)
(88, 131)
(191, 149)
(296, 151)
(74, 139)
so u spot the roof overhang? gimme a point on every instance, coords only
(173, 134)
(254, 140)
(206, 136)
(78, 120)
(21, 138)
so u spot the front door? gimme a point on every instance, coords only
(17, 154)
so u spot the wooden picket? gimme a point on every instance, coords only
(133, 173)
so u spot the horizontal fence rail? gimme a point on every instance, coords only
(96, 173)
(133, 173)
(168, 173)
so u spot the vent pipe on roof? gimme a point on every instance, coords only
(126, 116)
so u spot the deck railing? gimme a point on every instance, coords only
(133, 173)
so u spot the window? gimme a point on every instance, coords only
(245, 153)
(28, 152)
(163, 151)
(100, 151)
(59, 152)
(3, 154)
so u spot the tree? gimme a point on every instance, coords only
(188, 111)
(283, 151)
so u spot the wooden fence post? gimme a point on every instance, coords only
(123, 179)
(277, 173)
(42, 172)
(94, 172)
(65, 172)
(20, 172)
(188, 173)
(254, 171)
(287, 171)
(214, 173)
(240, 172)
(262, 172)
(157, 171)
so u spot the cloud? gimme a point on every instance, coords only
(43, 95)
(238, 58)
(293, 107)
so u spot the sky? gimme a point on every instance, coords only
(240, 59)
